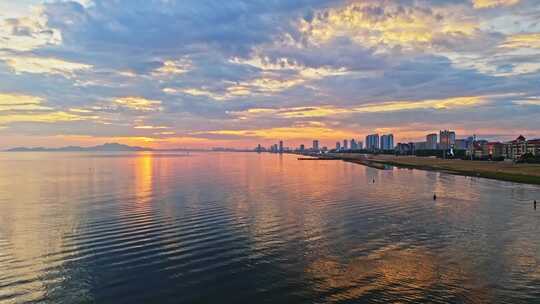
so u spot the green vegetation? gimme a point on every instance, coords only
(521, 173)
(529, 158)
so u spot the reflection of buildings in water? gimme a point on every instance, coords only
(393, 272)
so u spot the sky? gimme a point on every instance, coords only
(236, 73)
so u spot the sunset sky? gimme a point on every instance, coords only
(205, 73)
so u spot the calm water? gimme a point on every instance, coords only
(247, 228)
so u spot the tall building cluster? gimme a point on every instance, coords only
(444, 144)
(373, 142)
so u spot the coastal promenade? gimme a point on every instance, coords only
(508, 171)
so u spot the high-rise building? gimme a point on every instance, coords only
(447, 139)
(372, 142)
(280, 146)
(360, 145)
(338, 146)
(316, 145)
(431, 141)
(345, 145)
(387, 142)
(354, 146)
(302, 148)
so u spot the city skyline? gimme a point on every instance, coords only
(276, 151)
(196, 74)
(445, 140)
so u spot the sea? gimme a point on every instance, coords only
(156, 227)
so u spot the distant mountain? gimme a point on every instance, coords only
(109, 147)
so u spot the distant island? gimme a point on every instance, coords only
(108, 147)
(116, 147)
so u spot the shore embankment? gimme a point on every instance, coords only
(507, 171)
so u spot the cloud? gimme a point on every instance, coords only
(295, 132)
(173, 67)
(130, 68)
(437, 104)
(196, 92)
(40, 65)
(493, 3)
(387, 24)
(17, 102)
(143, 127)
(27, 33)
(138, 104)
(522, 41)
(333, 111)
(174, 26)
(25, 108)
(51, 117)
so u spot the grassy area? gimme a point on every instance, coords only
(521, 173)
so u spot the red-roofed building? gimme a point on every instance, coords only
(520, 146)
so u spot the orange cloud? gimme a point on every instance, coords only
(408, 28)
(138, 103)
(393, 106)
(174, 67)
(39, 65)
(26, 108)
(297, 132)
(18, 102)
(522, 41)
(478, 4)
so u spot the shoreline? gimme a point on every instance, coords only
(518, 173)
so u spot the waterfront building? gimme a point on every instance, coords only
(360, 145)
(354, 146)
(493, 150)
(372, 142)
(387, 142)
(431, 141)
(316, 145)
(302, 148)
(447, 139)
(338, 146)
(533, 147)
(515, 149)
(345, 145)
